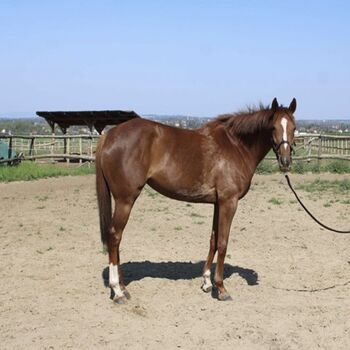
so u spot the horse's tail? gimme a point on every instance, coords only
(103, 195)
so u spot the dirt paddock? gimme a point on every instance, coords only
(290, 280)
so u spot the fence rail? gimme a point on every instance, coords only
(320, 147)
(82, 148)
(55, 147)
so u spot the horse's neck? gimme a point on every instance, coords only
(258, 145)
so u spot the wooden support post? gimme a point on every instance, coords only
(80, 149)
(319, 151)
(31, 147)
(67, 150)
(309, 151)
(52, 124)
(52, 146)
(64, 146)
(91, 153)
(65, 141)
(9, 154)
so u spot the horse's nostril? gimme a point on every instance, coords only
(285, 161)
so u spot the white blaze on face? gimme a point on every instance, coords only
(284, 123)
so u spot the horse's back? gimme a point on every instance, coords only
(169, 159)
(142, 137)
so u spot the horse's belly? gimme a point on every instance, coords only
(199, 193)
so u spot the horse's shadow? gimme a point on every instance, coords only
(135, 271)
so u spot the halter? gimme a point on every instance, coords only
(276, 147)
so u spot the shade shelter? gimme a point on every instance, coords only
(93, 119)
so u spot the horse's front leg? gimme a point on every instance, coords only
(227, 209)
(207, 285)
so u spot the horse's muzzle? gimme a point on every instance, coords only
(284, 163)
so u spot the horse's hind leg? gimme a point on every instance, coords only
(120, 218)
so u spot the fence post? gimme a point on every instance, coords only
(31, 147)
(91, 153)
(68, 149)
(52, 146)
(9, 154)
(319, 147)
(80, 149)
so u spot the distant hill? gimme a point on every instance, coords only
(17, 115)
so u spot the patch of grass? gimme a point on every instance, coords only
(195, 215)
(347, 201)
(338, 167)
(276, 201)
(178, 228)
(27, 171)
(301, 167)
(103, 250)
(151, 192)
(42, 199)
(327, 205)
(46, 250)
(199, 222)
(325, 185)
(266, 167)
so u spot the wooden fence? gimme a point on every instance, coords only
(81, 148)
(56, 147)
(309, 147)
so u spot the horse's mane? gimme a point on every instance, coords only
(246, 122)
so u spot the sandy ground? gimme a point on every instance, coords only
(290, 280)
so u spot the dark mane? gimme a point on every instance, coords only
(245, 122)
(248, 121)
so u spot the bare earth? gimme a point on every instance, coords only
(290, 280)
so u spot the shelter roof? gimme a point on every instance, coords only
(96, 119)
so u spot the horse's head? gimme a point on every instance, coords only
(283, 127)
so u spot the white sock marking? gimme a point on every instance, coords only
(284, 123)
(207, 282)
(114, 280)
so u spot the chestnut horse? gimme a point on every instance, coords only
(213, 164)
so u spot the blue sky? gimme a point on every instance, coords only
(197, 58)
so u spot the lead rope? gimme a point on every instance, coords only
(302, 204)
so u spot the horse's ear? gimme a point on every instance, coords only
(293, 105)
(274, 105)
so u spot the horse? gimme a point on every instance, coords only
(212, 164)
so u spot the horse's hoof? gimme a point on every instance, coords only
(207, 288)
(224, 297)
(126, 294)
(120, 300)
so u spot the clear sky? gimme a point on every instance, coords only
(194, 57)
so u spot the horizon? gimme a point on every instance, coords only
(186, 58)
(164, 116)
